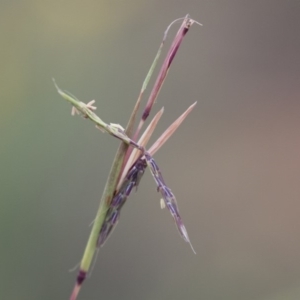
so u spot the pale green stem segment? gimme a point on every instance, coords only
(113, 129)
(154, 63)
(107, 195)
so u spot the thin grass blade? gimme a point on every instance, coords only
(186, 24)
(170, 130)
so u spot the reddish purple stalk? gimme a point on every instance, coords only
(164, 70)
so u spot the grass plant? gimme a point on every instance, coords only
(131, 158)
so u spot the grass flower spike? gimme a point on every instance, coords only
(132, 158)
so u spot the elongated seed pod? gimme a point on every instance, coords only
(132, 180)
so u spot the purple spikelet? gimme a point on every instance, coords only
(168, 197)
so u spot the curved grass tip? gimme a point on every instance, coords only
(189, 23)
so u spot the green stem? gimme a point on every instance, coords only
(104, 205)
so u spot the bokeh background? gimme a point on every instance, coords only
(234, 164)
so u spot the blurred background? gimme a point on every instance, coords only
(234, 164)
